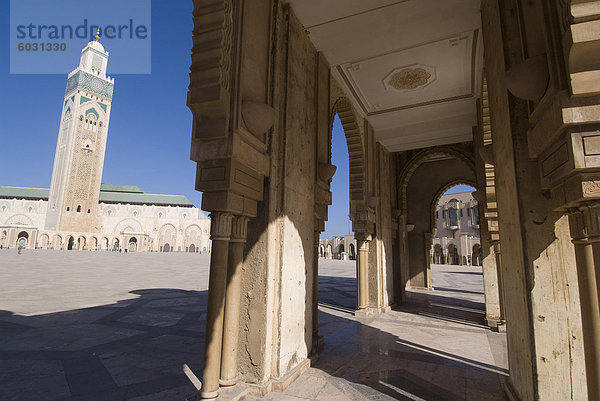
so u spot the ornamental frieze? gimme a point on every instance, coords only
(88, 82)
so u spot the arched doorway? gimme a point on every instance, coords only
(3, 239)
(352, 255)
(192, 248)
(453, 258)
(167, 236)
(22, 239)
(438, 254)
(115, 245)
(56, 241)
(70, 242)
(341, 251)
(132, 244)
(81, 243)
(343, 177)
(442, 168)
(44, 241)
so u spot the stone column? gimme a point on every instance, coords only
(220, 231)
(585, 231)
(231, 330)
(363, 273)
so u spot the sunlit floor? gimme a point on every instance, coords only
(109, 326)
(435, 348)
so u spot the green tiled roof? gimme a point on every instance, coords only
(24, 193)
(109, 193)
(144, 198)
(121, 188)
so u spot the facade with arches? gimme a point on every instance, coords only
(456, 235)
(129, 219)
(342, 247)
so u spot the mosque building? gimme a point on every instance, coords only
(78, 211)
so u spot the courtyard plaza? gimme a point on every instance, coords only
(130, 326)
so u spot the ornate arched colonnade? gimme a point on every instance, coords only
(264, 88)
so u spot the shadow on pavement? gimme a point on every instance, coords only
(151, 348)
(133, 348)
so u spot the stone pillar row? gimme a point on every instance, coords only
(228, 235)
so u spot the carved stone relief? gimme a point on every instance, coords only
(409, 78)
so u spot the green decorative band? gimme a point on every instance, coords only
(84, 99)
(90, 83)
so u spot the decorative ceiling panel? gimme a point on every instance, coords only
(418, 75)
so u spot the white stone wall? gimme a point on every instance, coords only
(151, 228)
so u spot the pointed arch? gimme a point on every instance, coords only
(167, 235)
(420, 158)
(44, 241)
(356, 149)
(19, 220)
(128, 224)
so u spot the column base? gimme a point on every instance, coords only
(208, 395)
(370, 311)
(228, 382)
(280, 384)
(498, 325)
(234, 393)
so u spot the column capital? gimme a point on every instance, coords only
(363, 244)
(220, 226)
(584, 222)
(363, 236)
(239, 228)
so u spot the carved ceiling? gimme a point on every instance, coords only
(411, 67)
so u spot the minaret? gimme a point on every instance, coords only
(79, 158)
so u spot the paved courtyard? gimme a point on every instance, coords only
(109, 326)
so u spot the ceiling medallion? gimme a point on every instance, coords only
(409, 78)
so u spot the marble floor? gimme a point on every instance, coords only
(106, 326)
(436, 347)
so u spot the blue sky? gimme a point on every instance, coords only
(340, 184)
